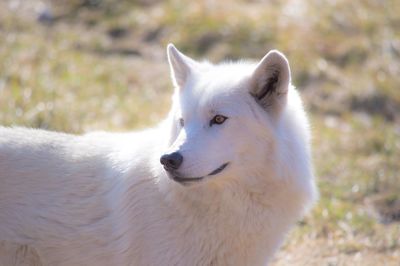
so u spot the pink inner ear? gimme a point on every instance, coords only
(270, 85)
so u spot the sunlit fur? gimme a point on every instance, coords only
(105, 199)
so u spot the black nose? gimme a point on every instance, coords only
(172, 161)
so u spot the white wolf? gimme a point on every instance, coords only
(219, 182)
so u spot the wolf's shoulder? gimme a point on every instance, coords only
(21, 136)
(25, 132)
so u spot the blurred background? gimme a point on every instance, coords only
(81, 65)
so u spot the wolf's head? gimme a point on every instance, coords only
(225, 118)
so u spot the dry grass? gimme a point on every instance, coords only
(101, 65)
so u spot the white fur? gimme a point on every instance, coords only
(105, 199)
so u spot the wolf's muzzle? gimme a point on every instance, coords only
(186, 180)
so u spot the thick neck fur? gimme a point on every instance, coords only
(226, 221)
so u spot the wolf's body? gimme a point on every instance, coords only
(105, 199)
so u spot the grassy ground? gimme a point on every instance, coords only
(101, 65)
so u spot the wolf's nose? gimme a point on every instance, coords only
(172, 160)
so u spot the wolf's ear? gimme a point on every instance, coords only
(270, 81)
(180, 66)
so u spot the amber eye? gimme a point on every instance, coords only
(181, 122)
(218, 119)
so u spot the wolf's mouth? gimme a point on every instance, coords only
(185, 180)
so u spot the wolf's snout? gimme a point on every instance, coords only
(171, 161)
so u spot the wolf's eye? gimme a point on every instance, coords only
(218, 119)
(181, 122)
